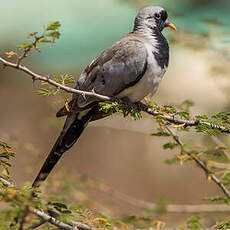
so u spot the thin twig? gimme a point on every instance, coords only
(143, 107)
(81, 226)
(43, 78)
(46, 217)
(23, 219)
(176, 120)
(54, 221)
(38, 224)
(28, 49)
(200, 163)
(219, 143)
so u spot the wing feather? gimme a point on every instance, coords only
(122, 65)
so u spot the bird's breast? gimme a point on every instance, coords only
(149, 83)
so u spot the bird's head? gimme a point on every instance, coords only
(153, 17)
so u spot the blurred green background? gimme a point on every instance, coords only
(89, 27)
(116, 150)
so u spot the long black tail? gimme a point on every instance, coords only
(72, 130)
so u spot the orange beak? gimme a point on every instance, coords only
(170, 24)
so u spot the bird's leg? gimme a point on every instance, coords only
(140, 105)
(127, 102)
(131, 105)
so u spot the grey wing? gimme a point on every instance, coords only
(116, 69)
(120, 66)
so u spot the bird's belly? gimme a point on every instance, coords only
(149, 83)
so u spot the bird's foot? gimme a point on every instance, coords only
(128, 103)
(140, 105)
(131, 105)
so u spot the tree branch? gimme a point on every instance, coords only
(43, 78)
(54, 221)
(219, 143)
(176, 120)
(81, 226)
(28, 49)
(47, 218)
(142, 106)
(200, 163)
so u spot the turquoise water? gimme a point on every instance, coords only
(88, 27)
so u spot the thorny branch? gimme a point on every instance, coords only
(143, 107)
(81, 226)
(200, 163)
(176, 120)
(172, 119)
(28, 49)
(47, 79)
(48, 218)
(219, 143)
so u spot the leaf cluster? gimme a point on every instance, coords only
(219, 119)
(223, 225)
(138, 221)
(218, 199)
(119, 106)
(50, 33)
(225, 179)
(6, 154)
(194, 222)
(50, 90)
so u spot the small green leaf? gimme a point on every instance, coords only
(170, 145)
(54, 34)
(4, 144)
(161, 205)
(160, 134)
(222, 116)
(218, 199)
(201, 117)
(225, 179)
(64, 79)
(187, 103)
(173, 160)
(224, 225)
(24, 45)
(183, 114)
(32, 34)
(44, 40)
(168, 109)
(45, 92)
(4, 155)
(53, 26)
(205, 128)
(193, 222)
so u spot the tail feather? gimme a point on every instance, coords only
(71, 132)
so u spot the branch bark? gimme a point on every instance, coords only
(143, 107)
(176, 120)
(47, 79)
(200, 164)
(47, 218)
(81, 226)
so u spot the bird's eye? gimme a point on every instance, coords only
(157, 16)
